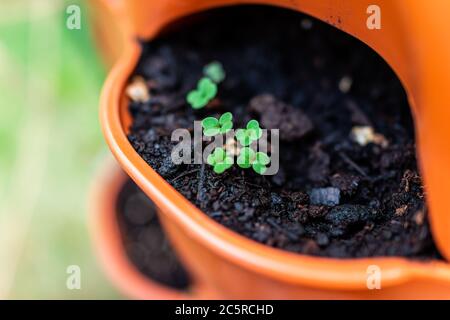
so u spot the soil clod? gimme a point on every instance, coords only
(275, 114)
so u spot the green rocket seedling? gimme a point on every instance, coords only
(246, 157)
(257, 160)
(220, 160)
(212, 126)
(205, 92)
(260, 163)
(252, 133)
(214, 71)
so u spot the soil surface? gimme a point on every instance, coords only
(332, 196)
(145, 241)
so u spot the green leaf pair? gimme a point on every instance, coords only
(214, 71)
(252, 133)
(212, 126)
(257, 160)
(205, 92)
(220, 160)
(207, 86)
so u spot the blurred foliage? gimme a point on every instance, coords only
(50, 148)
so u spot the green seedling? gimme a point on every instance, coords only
(212, 126)
(257, 160)
(220, 160)
(252, 133)
(205, 92)
(261, 162)
(246, 157)
(214, 71)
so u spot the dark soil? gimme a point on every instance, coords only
(331, 196)
(145, 241)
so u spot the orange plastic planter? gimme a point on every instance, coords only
(109, 245)
(227, 265)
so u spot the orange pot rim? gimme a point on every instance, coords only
(318, 272)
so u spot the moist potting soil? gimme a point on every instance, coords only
(348, 183)
(145, 241)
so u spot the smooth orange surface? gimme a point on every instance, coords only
(413, 41)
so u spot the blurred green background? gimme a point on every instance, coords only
(50, 148)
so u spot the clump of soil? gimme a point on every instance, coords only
(333, 196)
(145, 241)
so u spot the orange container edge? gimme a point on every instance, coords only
(180, 216)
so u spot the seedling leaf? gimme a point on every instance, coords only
(252, 133)
(219, 160)
(214, 71)
(259, 168)
(226, 117)
(210, 122)
(262, 158)
(206, 90)
(246, 157)
(212, 126)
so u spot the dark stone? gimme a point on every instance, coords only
(325, 196)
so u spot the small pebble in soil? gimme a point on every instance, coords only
(419, 217)
(137, 90)
(401, 210)
(363, 135)
(325, 196)
(345, 84)
(322, 239)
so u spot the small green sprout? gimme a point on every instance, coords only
(212, 126)
(220, 160)
(261, 162)
(257, 160)
(205, 92)
(214, 71)
(252, 133)
(246, 157)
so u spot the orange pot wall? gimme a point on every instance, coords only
(107, 18)
(412, 40)
(233, 281)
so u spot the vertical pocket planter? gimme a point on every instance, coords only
(410, 41)
(110, 233)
